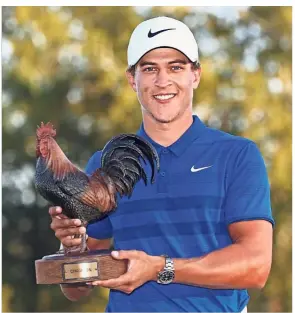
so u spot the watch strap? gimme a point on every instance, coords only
(166, 276)
(169, 264)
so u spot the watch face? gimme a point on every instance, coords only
(166, 277)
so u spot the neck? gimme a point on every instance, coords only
(166, 134)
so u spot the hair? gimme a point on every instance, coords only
(131, 69)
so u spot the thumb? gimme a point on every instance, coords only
(120, 254)
(115, 254)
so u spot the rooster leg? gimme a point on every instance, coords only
(76, 250)
(83, 246)
(60, 251)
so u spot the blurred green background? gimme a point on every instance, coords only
(67, 65)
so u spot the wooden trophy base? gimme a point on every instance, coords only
(86, 267)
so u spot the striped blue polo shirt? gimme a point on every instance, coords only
(208, 180)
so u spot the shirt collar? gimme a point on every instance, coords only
(180, 145)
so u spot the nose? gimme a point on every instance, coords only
(162, 79)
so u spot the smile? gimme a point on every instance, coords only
(165, 97)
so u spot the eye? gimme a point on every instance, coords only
(176, 68)
(149, 69)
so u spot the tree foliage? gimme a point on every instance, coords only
(67, 65)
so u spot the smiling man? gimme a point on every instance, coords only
(202, 234)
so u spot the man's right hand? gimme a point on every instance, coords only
(65, 228)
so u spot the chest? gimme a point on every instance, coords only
(199, 172)
(188, 192)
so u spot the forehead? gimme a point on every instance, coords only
(163, 55)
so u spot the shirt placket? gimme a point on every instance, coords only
(163, 175)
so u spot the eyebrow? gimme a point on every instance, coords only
(171, 62)
(178, 61)
(147, 63)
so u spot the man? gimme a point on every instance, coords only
(209, 210)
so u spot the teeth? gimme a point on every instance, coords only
(164, 97)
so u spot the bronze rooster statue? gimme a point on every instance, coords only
(90, 198)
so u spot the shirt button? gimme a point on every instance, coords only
(165, 151)
(163, 174)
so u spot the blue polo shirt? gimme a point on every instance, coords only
(208, 180)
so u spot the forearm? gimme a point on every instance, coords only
(233, 267)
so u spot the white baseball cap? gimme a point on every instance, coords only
(161, 32)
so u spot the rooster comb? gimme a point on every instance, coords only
(45, 130)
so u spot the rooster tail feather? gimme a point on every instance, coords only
(117, 166)
(136, 168)
(122, 183)
(121, 158)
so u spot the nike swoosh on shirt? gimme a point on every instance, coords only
(193, 169)
(150, 34)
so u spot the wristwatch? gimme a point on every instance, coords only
(167, 275)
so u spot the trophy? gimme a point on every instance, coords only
(88, 266)
(88, 198)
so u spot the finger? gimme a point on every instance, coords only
(64, 223)
(55, 210)
(69, 232)
(125, 279)
(107, 283)
(125, 254)
(124, 288)
(60, 216)
(70, 242)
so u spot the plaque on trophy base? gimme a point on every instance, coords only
(86, 267)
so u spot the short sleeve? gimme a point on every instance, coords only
(93, 163)
(248, 192)
(103, 228)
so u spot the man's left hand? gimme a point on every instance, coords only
(141, 269)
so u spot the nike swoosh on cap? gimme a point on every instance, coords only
(150, 34)
(193, 169)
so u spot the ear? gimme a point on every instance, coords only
(197, 77)
(131, 80)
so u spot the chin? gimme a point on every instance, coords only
(165, 119)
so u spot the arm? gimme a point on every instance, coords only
(247, 210)
(243, 264)
(64, 229)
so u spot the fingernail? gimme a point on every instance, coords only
(77, 222)
(115, 254)
(58, 209)
(95, 283)
(82, 230)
